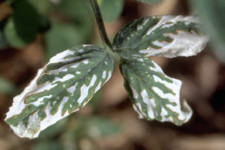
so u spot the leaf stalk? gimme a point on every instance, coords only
(100, 23)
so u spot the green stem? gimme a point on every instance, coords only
(100, 23)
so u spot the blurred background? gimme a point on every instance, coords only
(32, 31)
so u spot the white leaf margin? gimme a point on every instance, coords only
(184, 44)
(182, 108)
(18, 105)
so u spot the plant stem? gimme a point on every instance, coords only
(100, 23)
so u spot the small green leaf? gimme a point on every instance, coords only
(58, 39)
(42, 6)
(53, 131)
(3, 42)
(76, 29)
(75, 9)
(62, 87)
(111, 9)
(101, 127)
(6, 87)
(47, 145)
(150, 2)
(154, 94)
(167, 36)
(11, 1)
(12, 36)
(212, 14)
(22, 27)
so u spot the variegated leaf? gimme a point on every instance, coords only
(154, 94)
(167, 36)
(63, 86)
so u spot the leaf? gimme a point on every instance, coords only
(7, 87)
(53, 131)
(97, 126)
(154, 94)
(22, 27)
(166, 36)
(58, 39)
(76, 10)
(150, 2)
(11, 1)
(42, 6)
(111, 9)
(91, 127)
(76, 29)
(63, 86)
(44, 24)
(212, 14)
(3, 42)
(11, 35)
(47, 145)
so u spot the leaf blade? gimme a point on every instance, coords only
(62, 87)
(212, 16)
(22, 27)
(167, 36)
(154, 94)
(111, 9)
